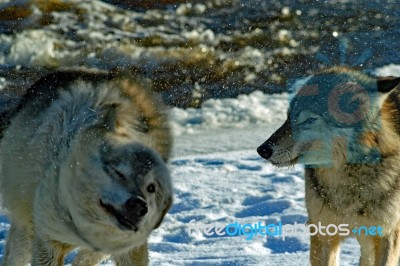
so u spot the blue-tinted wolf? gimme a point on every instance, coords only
(344, 126)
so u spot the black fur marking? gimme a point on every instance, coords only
(386, 84)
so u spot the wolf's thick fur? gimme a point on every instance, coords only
(351, 157)
(83, 165)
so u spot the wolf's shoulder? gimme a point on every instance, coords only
(391, 109)
(46, 89)
(143, 109)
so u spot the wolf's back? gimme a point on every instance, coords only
(151, 114)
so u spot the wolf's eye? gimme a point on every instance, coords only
(118, 173)
(308, 121)
(151, 188)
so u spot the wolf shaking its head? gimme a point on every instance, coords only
(84, 165)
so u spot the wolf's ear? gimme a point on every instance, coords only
(386, 84)
(164, 212)
(108, 116)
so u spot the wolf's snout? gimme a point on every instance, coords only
(265, 151)
(136, 207)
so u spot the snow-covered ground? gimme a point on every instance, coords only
(219, 179)
(211, 50)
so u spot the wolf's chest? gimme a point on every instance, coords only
(355, 193)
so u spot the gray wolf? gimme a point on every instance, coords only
(344, 126)
(83, 165)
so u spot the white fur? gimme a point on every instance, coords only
(52, 179)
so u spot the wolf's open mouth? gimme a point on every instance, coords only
(123, 220)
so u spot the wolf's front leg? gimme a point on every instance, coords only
(388, 249)
(18, 246)
(48, 253)
(136, 257)
(324, 250)
(88, 258)
(369, 247)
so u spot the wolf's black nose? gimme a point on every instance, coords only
(136, 206)
(265, 151)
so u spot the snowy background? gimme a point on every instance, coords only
(220, 179)
(202, 54)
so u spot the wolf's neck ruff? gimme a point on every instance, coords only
(75, 231)
(355, 189)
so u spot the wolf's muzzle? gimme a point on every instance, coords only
(136, 207)
(131, 213)
(265, 150)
